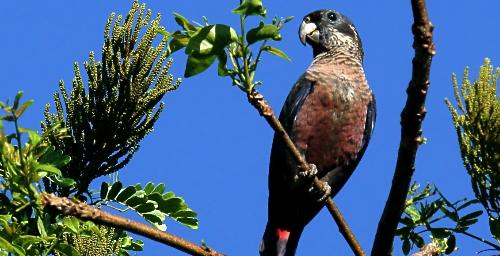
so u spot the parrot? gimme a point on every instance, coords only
(330, 115)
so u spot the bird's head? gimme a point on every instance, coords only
(329, 30)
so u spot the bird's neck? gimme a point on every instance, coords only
(346, 55)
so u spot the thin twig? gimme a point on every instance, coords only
(258, 101)
(86, 212)
(494, 246)
(411, 130)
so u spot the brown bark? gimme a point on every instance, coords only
(411, 129)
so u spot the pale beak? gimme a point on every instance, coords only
(308, 30)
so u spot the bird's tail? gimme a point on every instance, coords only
(279, 241)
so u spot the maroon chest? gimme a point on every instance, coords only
(330, 124)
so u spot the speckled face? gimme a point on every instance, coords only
(325, 30)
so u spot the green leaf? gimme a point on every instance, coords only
(135, 200)
(138, 187)
(404, 231)
(452, 215)
(156, 197)
(221, 68)
(211, 40)
(125, 194)
(160, 188)
(475, 201)
(161, 227)
(190, 222)
(276, 52)
(263, 32)
(450, 244)
(8, 118)
(48, 168)
(27, 240)
(163, 32)
(412, 211)
(184, 214)
(472, 215)
(288, 19)
(115, 188)
(251, 7)
(467, 222)
(495, 228)
(41, 227)
(172, 205)
(149, 187)
(168, 195)
(154, 217)
(145, 207)
(52, 156)
(178, 42)
(104, 190)
(6, 245)
(406, 246)
(418, 240)
(23, 107)
(61, 181)
(66, 249)
(183, 22)
(198, 64)
(72, 223)
(34, 138)
(439, 232)
(19, 95)
(133, 245)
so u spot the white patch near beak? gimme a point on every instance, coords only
(308, 30)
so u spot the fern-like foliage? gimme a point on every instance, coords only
(120, 104)
(151, 202)
(477, 121)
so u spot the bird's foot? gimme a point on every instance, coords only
(322, 192)
(306, 178)
(309, 174)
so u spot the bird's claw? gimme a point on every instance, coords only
(309, 173)
(321, 193)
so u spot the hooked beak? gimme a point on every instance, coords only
(308, 30)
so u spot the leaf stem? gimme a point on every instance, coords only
(477, 238)
(247, 82)
(18, 138)
(257, 59)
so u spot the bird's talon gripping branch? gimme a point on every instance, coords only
(309, 173)
(325, 191)
(322, 193)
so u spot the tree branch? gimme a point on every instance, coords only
(257, 100)
(86, 212)
(411, 124)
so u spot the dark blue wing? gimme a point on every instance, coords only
(294, 102)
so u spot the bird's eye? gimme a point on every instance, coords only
(332, 16)
(307, 19)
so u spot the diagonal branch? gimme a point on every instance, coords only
(411, 129)
(86, 212)
(257, 100)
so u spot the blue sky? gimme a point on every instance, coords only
(212, 148)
